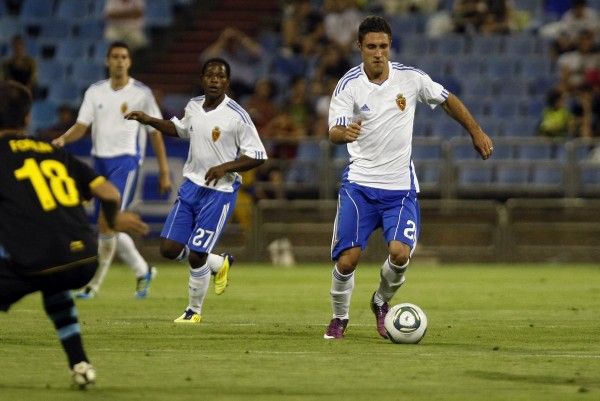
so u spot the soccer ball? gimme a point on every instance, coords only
(83, 374)
(405, 323)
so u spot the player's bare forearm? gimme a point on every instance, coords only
(458, 111)
(110, 200)
(73, 134)
(163, 166)
(244, 163)
(165, 126)
(341, 134)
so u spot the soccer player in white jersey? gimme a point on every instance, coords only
(372, 111)
(223, 142)
(118, 147)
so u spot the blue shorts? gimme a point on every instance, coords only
(362, 210)
(198, 216)
(122, 172)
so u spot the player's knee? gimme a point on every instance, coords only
(197, 259)
(400, 259)
(170, 251)
(346, 265)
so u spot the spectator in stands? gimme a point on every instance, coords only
(372, 113)
(575, 64)
(223, 143)
(260, 104)
(395, 7)
(468, 15)
(125, 22)
(245, 56)
(20, 66)
(297, 105)
(66, 118)
(557, 121)
(342, 18)
(302, 27)
(116, 151)
(578, 18)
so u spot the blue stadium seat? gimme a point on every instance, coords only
(50, 72)
(535, 151)
(92, 29)
(469, 174)
(55, 28)
(520, 45)
(534, 67)
(340, 152)
(43, 114)
(99, 48)
(515, 88)
(547, 174)
(504, 107)
(66, 92)
(434, 66)
(74, 9)
(447, 128)
(426, 151)
(477, 87)
(10, 27)
(512, 174)
(158, 13)
(428, 174)
(521, 127)
(484, 45)
(421, 126)
(450, 45)
(73, 49)
(86, 73)
(500, 67)
(36, 11)
(464, 151)
(503, 151)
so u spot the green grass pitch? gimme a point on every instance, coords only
(520, 332)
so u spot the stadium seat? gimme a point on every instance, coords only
(503, 151)
(470, 174)
(484, 45)
(73, 49)
(91, 29)
(426, 151)
(547, 174)
(34, 12)
(50, 72)
(504, 107)
(512, 174)
(340, 152)
(520, 45)
(66, 92)
(463, 150)
(43, 114)
(10, 27)
(535, 151)
(86, 73)
(521, 127)
(75, 10)
(447, 128)
(55, 29)
(158, 13)
(450, 45)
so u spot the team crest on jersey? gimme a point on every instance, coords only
(401, 101)
(216, 133)
(124, 108)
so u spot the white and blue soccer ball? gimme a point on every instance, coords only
(405, 323)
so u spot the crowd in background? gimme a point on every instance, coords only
(284, 77)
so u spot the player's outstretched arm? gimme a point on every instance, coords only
(165, 126)
(73, 134)
(110, 200)
(458, 111)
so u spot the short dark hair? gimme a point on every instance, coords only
(217, 60)
(15, 104)
(118, 44)
(373, 23)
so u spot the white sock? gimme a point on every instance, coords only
(341, 292)
(391, 278)
(214, 262)
(198, 285)
(130, 255)
(107, 244)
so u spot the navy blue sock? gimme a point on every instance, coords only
(63, 313)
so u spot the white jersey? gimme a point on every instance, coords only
(381, 156)
(217, 136)
(104, 108)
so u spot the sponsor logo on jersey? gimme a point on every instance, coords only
(216, 133)
(76, 246)
(124, 108)
(401, 101)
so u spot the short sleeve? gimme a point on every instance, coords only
(86, 110)
(249, 142)
(341, 107)
(182, 125)
(431, 92)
